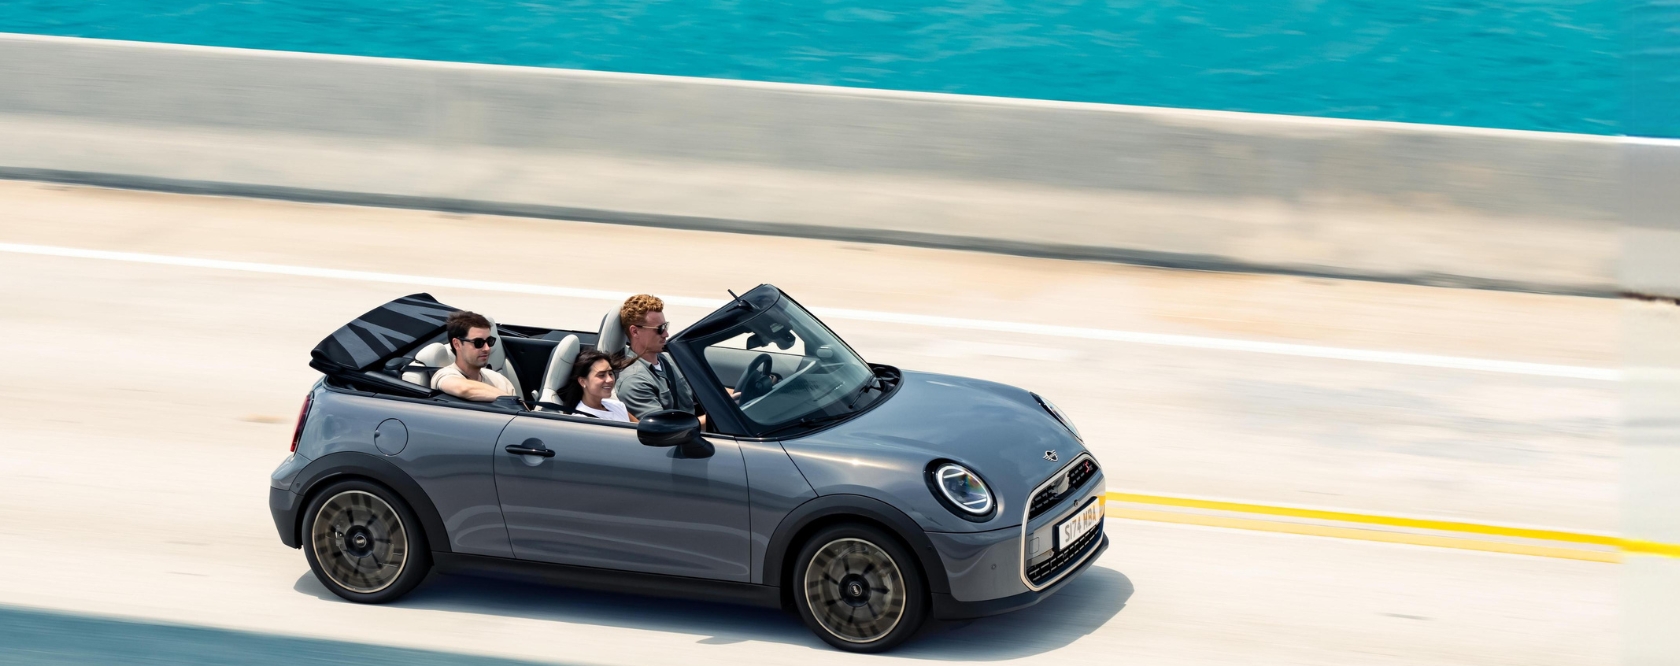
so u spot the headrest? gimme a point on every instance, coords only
(560, 363)
(613, 337)
(498, 353)
(559, 369)
(435, 355)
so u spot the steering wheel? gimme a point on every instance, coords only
(756, 380)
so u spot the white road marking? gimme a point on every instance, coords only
(967, 348)
(1227, 344)
(1048, 330)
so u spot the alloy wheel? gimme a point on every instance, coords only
(855, 590)
(360, 541)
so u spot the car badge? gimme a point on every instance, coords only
(1051, 456)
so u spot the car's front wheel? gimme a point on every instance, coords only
(858, 589)
(364, 543)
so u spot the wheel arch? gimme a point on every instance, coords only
(806, 519)
(347, 465)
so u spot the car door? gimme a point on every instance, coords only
(605, 500)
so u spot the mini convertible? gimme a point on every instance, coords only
(864, 498)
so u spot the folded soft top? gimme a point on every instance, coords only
(385, 332)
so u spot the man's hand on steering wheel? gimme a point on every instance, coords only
(756, 380)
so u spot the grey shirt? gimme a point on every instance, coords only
(643, 389)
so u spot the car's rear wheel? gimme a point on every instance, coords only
(858, 589)
(364, 543)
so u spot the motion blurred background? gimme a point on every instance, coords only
(1366, 306)
(1511, 64)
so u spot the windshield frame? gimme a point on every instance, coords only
(687, 348)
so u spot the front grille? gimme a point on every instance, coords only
(1064, 558)
(1048, 498)
(1081, 473)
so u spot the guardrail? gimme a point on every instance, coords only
(1507, 209)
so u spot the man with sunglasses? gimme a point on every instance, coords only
(471, 340)
(650, 381)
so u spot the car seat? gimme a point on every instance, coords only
(499, 360)
(613, 337)
(426, 362)
(558, 372)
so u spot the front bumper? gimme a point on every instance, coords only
(947, 607)
(997, 571)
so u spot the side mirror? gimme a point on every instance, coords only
(673, 427)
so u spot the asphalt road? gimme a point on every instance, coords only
(146, 404)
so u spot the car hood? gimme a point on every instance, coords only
(998, 431)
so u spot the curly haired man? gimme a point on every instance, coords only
(650, 382)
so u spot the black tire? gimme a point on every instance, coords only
(858, 589)
(364, 543)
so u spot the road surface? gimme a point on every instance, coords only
(148, 397)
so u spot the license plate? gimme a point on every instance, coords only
(1087, 519)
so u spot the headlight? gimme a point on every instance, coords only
(1056, 412)
(963, 489)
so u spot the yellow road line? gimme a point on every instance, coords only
(1364, 534)
(1625, 546)
(1370, 519)
(1637, 547)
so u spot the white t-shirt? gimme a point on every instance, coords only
(485, 375)
(614, 411)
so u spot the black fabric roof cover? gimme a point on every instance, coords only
(381, 333)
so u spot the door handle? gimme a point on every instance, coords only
(530, 447)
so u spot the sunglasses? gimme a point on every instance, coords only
(480, 343)
(660, 329)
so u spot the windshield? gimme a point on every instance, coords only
(784, 366)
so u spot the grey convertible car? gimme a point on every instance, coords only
(864, 498)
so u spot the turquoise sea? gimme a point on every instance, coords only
(1555, 65)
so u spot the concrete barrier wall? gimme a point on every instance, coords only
(1172, 187)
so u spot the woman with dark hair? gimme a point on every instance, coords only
(588, 392)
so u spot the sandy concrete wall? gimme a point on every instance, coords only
(1171, 187)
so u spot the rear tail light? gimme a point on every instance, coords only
(303, 415)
